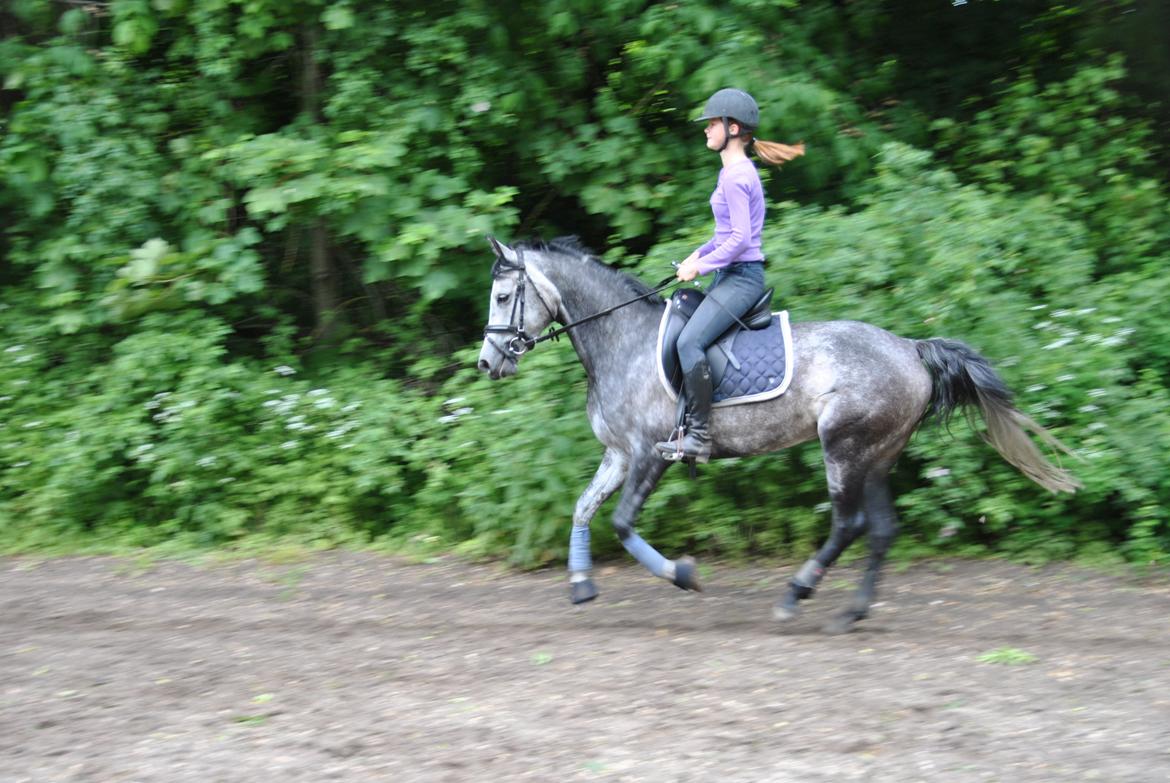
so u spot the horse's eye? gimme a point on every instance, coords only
(503, 298)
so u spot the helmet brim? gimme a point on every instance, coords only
(707, 117)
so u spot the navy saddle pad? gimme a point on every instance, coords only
(747, 365)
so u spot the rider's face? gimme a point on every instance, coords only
(716, 135)
(714, 131)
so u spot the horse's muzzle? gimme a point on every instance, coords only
(495, 363)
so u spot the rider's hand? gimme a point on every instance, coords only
(688, 270)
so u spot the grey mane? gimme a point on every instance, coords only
(571, 247)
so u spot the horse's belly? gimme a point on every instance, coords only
(764, 427)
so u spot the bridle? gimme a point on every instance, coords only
(521, 342)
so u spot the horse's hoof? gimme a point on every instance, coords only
(784, 612)
(686, 574)
(841, 624)
(583, 591)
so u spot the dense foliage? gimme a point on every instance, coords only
(244, 273)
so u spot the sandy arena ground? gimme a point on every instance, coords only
(359, 667)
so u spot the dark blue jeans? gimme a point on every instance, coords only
(737, 287)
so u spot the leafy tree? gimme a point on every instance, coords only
(243, 266)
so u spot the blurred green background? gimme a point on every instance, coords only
(244, 274)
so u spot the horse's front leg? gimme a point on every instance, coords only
(645, 470)
(610, 475)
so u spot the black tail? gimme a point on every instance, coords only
(964, 378)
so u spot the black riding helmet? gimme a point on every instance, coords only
(730, 104)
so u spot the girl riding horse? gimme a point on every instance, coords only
(733, 254)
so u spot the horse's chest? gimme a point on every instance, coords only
(623, 419)
(598, 421)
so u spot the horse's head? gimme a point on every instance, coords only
(523, 302)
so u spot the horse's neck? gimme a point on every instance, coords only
(608, 344)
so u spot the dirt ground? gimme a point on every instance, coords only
(357, 667)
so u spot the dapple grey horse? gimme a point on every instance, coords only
(861, 390)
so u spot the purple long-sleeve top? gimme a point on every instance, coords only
(738, 205)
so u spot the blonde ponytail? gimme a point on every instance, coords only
(775, 153)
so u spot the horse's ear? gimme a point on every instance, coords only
(501, 250)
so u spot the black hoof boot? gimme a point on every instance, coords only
(583, 591)
(686, 574)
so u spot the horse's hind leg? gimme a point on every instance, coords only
(610, 475)
(846, 484)
(882, 521)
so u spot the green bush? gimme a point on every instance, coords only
(242, 267)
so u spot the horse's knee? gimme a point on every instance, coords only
(623, 527)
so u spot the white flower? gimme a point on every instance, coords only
(284, 369)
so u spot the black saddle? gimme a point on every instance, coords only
(720, 356)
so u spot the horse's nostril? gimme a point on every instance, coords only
(483, 365)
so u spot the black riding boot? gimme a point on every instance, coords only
(696, 441)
